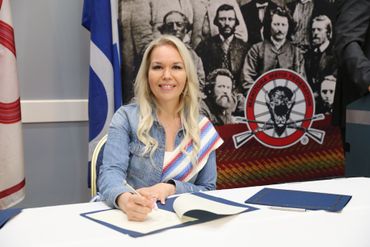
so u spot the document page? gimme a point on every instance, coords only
(200, 207)
(157, 219)
(189, 202)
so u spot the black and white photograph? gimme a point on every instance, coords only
(242, 38)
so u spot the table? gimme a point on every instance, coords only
(63, 226)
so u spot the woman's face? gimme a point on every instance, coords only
(166, 74)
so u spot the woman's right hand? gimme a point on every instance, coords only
(136, 207)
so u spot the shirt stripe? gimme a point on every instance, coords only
(180, 166)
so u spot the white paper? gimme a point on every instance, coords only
(157, 219)
(160, 219)
(188, 202)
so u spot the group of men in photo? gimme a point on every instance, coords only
(233, 43)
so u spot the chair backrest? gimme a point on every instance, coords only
(96, 161)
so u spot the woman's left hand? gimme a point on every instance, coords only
(160, 191)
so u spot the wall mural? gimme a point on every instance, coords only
(267, 76)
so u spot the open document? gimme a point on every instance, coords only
(184, 210)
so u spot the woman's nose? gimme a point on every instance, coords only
(166, 73)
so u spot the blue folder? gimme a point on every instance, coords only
(300, 199)
(199, 215)
(7, 214)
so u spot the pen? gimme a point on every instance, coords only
(132, 190)
(288, 209)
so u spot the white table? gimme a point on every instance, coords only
(63, 226)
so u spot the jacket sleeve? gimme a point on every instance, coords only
(250, 67)
(352, 29)
(113, 170)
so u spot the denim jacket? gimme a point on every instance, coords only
(123, 159)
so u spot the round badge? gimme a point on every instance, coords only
(279, 108)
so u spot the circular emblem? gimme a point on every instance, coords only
(279, 108)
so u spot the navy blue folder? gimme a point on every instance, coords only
(199, 215)
(300, 199)
(7, 214)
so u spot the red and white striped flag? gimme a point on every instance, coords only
(12, 180)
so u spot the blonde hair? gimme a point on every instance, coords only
(189, 99)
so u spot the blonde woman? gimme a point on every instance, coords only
(160, 144)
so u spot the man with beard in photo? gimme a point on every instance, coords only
(224, 50)
(221, 102)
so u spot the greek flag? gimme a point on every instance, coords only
(105, 95)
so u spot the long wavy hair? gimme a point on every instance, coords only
(189, 100)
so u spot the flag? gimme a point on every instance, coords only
(105, 94)
(12, 179)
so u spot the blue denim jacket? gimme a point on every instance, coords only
(123, 159)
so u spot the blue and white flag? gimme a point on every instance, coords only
(105, 94)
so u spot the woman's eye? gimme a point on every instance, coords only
(156, 67)
(177, 67)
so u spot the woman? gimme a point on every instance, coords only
(159, 145)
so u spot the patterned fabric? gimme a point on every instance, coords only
(254, 164)
(226, 62)
(179, 165)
